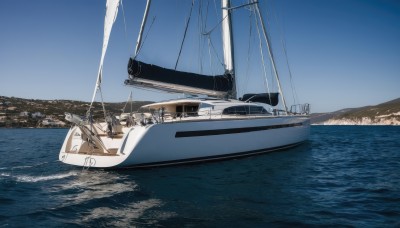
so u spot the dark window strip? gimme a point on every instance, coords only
(182, 134)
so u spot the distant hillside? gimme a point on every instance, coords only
(53, 107)
(387, 113)
(19, 112)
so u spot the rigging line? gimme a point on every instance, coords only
(102, 103)
(131, 111)
(209, 33)
(205, 40)
(283, 42)
(262, 58)
(208, 38)
(216, 54)
(209, 54)
(184, 35)
(123, 109)
(216, 8)
(210, 58)
(244, 87)
(241, 6)
(144, 40)
(129, 100)
(123, 15)
(202, 23)
(290, 72)
(271, 57)
(216, 26)
(205, 24)
(200, 40)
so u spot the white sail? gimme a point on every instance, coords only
(111, 15)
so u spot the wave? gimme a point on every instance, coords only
(33, 179)
(4, 175)
(23, 166)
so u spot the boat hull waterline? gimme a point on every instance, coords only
(188, 142)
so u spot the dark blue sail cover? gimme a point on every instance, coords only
(139, 70)
(267, 98)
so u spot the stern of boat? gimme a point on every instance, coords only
(90, 146)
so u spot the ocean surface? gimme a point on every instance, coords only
(346, 176)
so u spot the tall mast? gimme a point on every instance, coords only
(227, 42)
(139, 40)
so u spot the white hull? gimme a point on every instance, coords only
(188, 141)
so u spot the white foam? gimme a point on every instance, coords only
(22, 167)
(4, 174)
(25, 178)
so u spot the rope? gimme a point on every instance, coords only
(244, 87)
(141, 46)
(102, 103)
(262, 58)
(184, 35)
(123, 13)
(281, 33)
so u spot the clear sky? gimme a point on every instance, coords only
(342, 53)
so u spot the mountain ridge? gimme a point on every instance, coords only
(387, 113)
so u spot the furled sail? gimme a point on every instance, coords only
(111, 15)
(151, 76)
(267, 98)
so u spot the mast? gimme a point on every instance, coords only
(227, 42)
(139, 40)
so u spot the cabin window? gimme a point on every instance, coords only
(257, 110)
(179, 110)
(244, 110)
(206, 106)
(186, 110)
(191, 110)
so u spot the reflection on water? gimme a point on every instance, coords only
(78, 197)
(127, 215)
(90, 185)
(96, 191)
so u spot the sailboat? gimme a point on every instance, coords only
(210, 124)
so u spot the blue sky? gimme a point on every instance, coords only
(342, 53)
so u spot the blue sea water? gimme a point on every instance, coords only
(343, 176)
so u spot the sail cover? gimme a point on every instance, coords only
(146, 75)
(267, 98)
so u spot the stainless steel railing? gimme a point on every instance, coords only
(300, 109)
